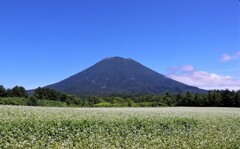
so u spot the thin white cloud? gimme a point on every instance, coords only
(185, 68)
(207, 80)
(226, 57)
(238, 74)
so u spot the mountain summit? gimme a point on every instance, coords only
(116, 75)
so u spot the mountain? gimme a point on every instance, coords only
(117, 75)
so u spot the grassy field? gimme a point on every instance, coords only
(178, 127)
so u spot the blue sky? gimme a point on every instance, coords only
(195, 42)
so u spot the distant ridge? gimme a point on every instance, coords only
(116, 75)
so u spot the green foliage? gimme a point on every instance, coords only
(13, 101)
(9, 93)
(152, 104)
(19, 91)
(3, 91)
(212, 98)
(51, 103)
(104, 104)
(49, 94)
(188, 99)
(33, 101)
(45, 93)
(215, 98)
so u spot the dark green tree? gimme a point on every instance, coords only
(130, 102)
(228, 98)
(19, 91)
(180, 99)
(198, 100)
(168, 99)
(9, 93)
(39, 93)
(216, 99)
(189, 99)
(3, 91)
(237, 99)
(33, 101)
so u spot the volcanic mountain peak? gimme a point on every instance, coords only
(117, 75)
(117, 59)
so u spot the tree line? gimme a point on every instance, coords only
(17, 91)
(37, 97)
(49, 97)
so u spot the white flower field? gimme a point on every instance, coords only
(173, 127)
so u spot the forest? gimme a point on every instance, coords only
(48, 97)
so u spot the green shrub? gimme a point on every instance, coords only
(51, 103)
(33, 101)
(152, 104)
(104, 104)
(13, 101)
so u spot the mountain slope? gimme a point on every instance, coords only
(117, 75)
